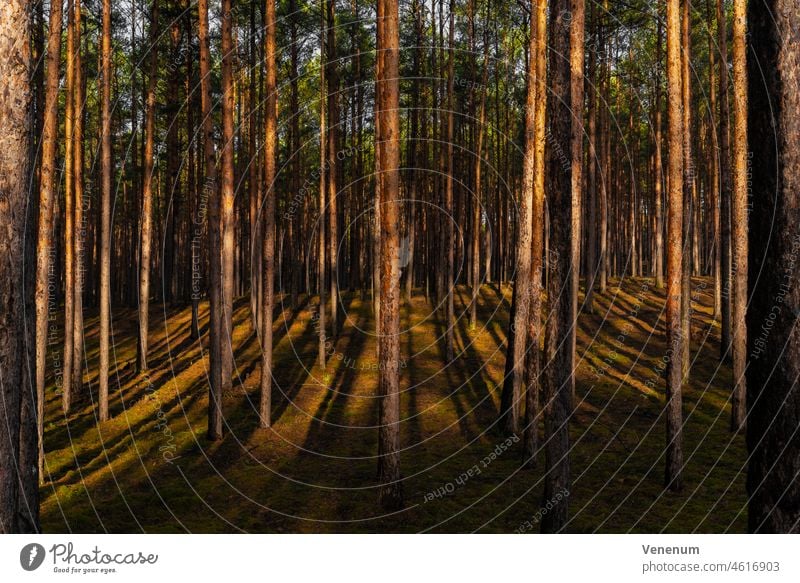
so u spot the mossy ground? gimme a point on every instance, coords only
(152, 469)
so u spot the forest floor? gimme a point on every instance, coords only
(151, 468)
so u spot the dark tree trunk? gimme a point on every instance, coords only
(558, 177)
(773, 395)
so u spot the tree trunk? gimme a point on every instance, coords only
(270, 153)
(725, 180)
(559, 188)
(391, 490)
(82, 204)
(577, 33)
(147, 194)
(48, 187)
(227, 199)
(675, 339)
(332, 89)
(773, 397)
(69, 212)
(211, 194)
(18, 436)
(105, 210)
(739, 214)
(520, 328)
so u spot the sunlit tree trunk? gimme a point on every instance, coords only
(47, 190)
(105, 210)
(69, 211)
(519, 329)
(391, 490)
(739, 213)
(147, 194)
(577, 49)
(226, 199)
(332, 88)
(675, 339)
(270, 153)
(658, 177)
(81, 206)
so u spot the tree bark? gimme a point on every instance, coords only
(227, 199)
(19, 475)
(559, 187)
(739, 216)
(773, 398)
(391, 489)
(675, 339)
(268, 256)
(147, 193)
(47, 184)
(211, 194)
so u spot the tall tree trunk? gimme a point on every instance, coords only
(332, 89)
(476, 199)
(688, 185)
(519, 329)
(147, 193)
(227, 198)
(559, 187)
(211, 194)
(323, 187)
(577, 33)
(69, 212)
(81, 201)
(675, 339)
(658, 177)
(47, 192)
(270, 153)
(18, 436)
(592, 230)
(773, 398)
(105, 210)
(725, 179)
(739, 214)
(538, 59)
(449, 246)
(391, 490)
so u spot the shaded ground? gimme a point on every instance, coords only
(151, 469)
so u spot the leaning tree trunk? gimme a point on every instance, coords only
(18, 395)
(391, 489)
(773, 397)
(675, 339)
